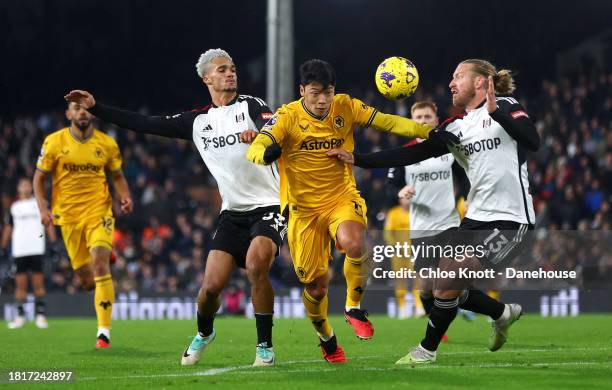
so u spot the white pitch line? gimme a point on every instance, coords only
(525, 351)
(435, 366)
(209, 372)
(223, 370)
(509, 365)
(216, 371)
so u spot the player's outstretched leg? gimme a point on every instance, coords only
(219, 268)
(315, 301)
(350, 237)
(356, 274)
(259, 259)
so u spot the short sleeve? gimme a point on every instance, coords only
(47, 158)
(278, 126)
(114, 156)
(362, 113)
(259, 111)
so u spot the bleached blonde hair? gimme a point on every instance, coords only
(207, 57)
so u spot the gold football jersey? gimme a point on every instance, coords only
(397, 225)
(78, 168)
(309, 178)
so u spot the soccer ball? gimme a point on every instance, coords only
(396, 78)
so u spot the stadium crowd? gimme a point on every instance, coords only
(161, 247)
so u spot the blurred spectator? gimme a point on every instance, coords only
(234, 299)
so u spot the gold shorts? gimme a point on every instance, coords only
(311, 232)
(80, 238)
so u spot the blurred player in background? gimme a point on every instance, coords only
(250, 228)
(78, 159)
(27, 236)
(320, 193)
(397, 227)
(429, 185)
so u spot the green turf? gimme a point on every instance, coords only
(542, 353)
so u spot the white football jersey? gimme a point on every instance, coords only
(243, 186)
(432, 208)
(496, 168)
(28, 237)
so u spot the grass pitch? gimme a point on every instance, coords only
(541, 353)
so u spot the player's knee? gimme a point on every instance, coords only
(101, 268)
(101, 260)
(21, 283)
(447, 294)
(354, 248)
(88, 284)
(257, 270)
(212, 288)
(39, 291)
(317, 292)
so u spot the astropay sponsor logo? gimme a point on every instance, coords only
(71, 167)
(326, 144)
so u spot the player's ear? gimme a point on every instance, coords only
(206, 80)
(67, 113)
(481, 82)
(302, 90)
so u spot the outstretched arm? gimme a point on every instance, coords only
(392, 157)
(177, 126)
(408, 128)
(368, 116)
(399, 125)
